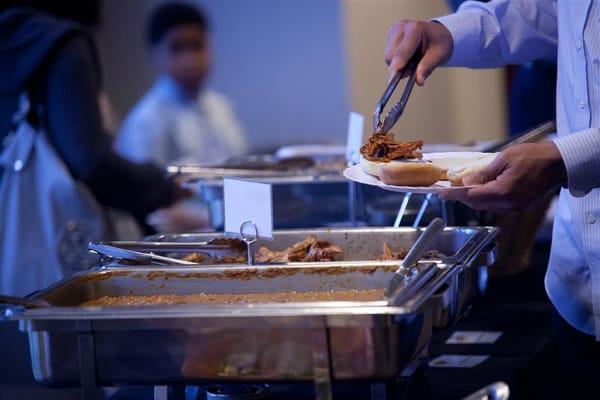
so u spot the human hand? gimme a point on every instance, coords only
(515, 180)
(404, 39)
(181, 192)
(184, 216)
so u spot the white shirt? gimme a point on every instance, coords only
(517, 31)
(168, 128)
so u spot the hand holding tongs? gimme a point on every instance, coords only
(397, 109)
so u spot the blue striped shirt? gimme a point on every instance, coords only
(517, 31)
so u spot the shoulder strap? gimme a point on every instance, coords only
(27, 110)
(18, 145)
(22, 113)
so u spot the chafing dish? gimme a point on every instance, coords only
(191, 344)
(306, 192)
(473, 248)
(229, 342)
(361, 244)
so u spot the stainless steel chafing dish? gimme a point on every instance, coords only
(336, 340)
(357, 244)
(320, 341)
(305, 192)
(471, 247)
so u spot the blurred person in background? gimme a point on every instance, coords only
(46, 50)
(179, 120)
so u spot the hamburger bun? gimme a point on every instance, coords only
(370, 167)
(416, 172)
(455, 174)
(407, 173)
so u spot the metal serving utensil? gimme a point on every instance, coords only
(415, 253)
(397, 109)
(495, 391)
(530, 136)
(136, 256)
(217, 245)
(23, 301)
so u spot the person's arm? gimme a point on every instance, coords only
(580, 152)
(144, 137)
(230, 125)
(74, 127)
(479, 35)
(502, 32)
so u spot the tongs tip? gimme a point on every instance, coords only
(383, 126)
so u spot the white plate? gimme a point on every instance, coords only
(444, 160)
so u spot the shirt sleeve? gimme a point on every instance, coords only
(502, 32)
(74, 127)
(235, 130)
(580, 152)
(145, 139)
(229, 124)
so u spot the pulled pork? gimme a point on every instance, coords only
(201, 259)
(388, 254)
(384, 147)
(195, 258)
(310, 249)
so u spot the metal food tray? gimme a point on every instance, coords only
(266, 168)
(297, 202)
(336, 340)
(460, 244)
(302, 200)
(473, 248)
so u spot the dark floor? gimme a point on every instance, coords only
(517, 306)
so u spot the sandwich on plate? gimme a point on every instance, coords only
(403, 163)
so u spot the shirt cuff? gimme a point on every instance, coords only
(580, 152)
(465, 29)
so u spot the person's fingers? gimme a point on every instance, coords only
(411, 40)
(432, 58)
(481, 177)
(491, 196)
(394, 38)
(496, 195)
(455, 194)
(487, 174)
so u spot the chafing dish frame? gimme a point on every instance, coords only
(322, 321)
(319, 321)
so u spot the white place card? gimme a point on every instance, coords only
(456, 361)
(356, 125)
(474, 337)
(248, 201)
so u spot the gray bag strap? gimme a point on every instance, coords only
(17, 157)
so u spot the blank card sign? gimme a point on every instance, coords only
(248, 202)
(356, 125)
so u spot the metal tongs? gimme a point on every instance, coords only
(416, 252)
(109, 251)
(144, 252)
(397, 109)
